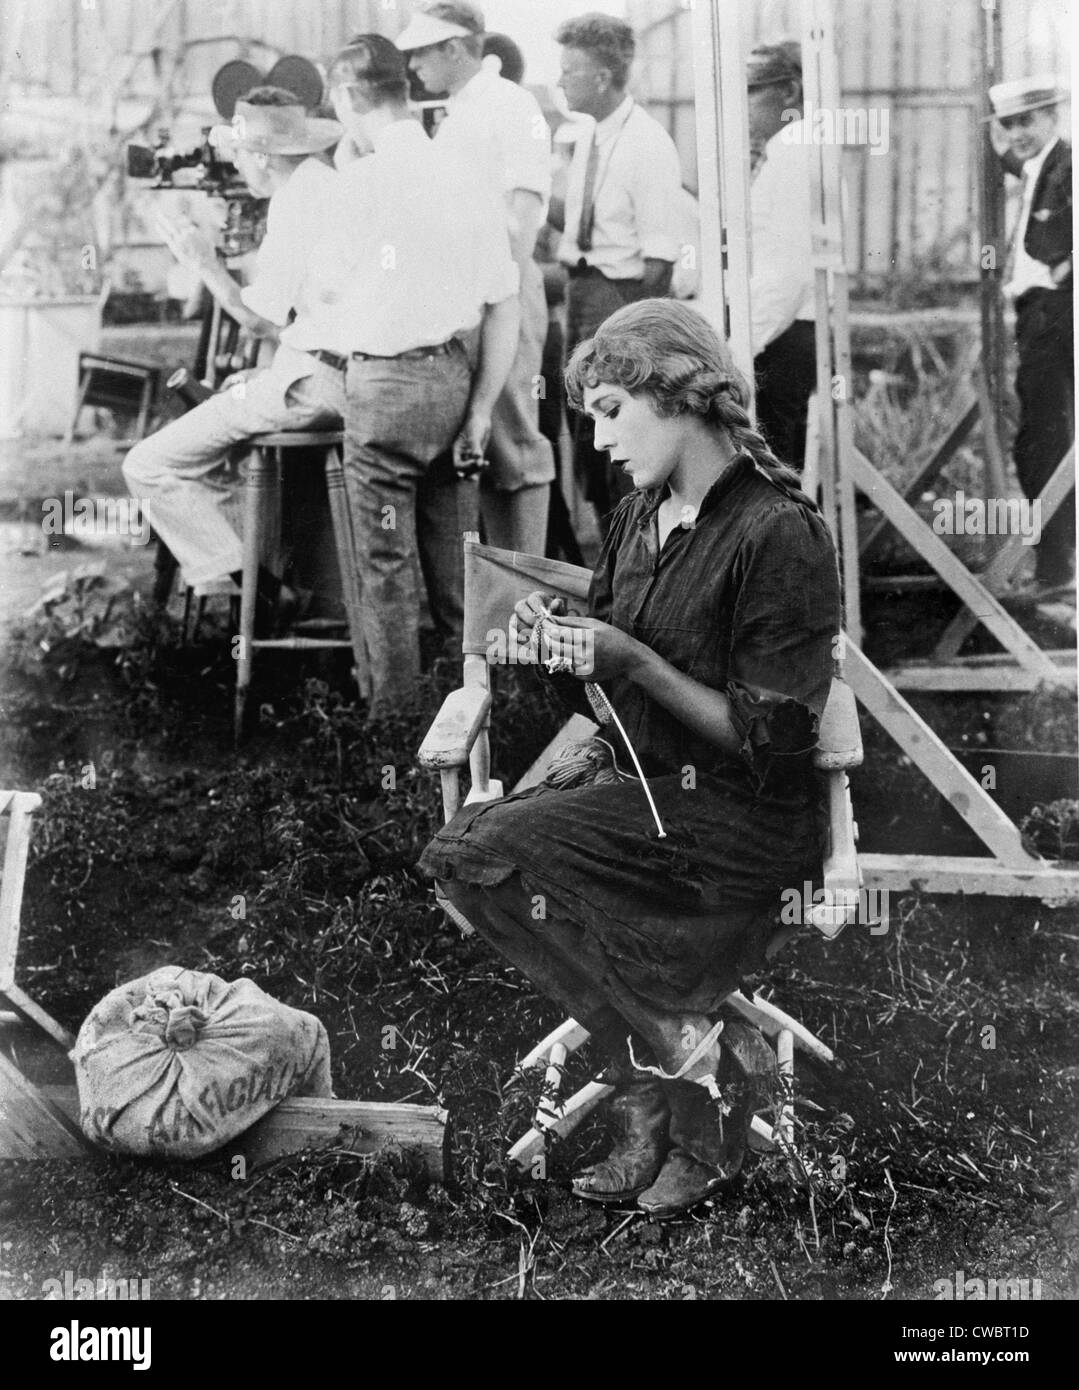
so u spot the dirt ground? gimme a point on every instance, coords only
(944, 1141)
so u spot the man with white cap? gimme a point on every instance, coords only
(1039, 280)
(497, 126)
(417, 260)
(179, 474)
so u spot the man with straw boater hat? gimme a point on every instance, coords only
(179, 474)
(1038, 278)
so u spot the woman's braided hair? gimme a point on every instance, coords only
(663, 349)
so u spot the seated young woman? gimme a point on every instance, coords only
(712, 618)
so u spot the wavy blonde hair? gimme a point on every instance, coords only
(663, 349)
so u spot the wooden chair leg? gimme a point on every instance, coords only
(261, 478)
(346, 561)
(165, 567)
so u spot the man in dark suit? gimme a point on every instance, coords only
(1040, 282)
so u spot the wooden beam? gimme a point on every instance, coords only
(1053, 884)
(302, 1122)
(1009, 556)
(32, 1126)
(966, 674)
(32, 1012)
(930, 546)
(20, 807)
(358, 1126)
(928, 752)
(914, 488)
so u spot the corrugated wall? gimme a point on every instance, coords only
(913, 209)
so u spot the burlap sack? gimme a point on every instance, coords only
(177, 1063)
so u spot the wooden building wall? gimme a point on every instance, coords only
(67, 47)
(913, 209)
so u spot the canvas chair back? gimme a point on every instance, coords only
(496, 580)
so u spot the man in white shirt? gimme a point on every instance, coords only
(1042, 287)
(417, 254)
(620, 233)
(179, 474)
(498, 128)
(781, 286)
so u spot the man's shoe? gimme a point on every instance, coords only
(682, 1184)
(640, 1118)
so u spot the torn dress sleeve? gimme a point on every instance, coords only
(785, 623)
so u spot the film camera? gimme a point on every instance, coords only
(245, 218)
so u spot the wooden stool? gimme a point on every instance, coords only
(260, 490)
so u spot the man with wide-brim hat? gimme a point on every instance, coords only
(180, 474)
(1038, 278)
(281, 130)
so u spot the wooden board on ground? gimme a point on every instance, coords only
(302, 1122)
(31, 1124)
(355, 1126)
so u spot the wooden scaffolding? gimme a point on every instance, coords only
(1007, 868)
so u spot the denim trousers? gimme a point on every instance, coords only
(181, 475)
(401, 418)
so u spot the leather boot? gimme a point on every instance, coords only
(707, 1148)
(639, 1118)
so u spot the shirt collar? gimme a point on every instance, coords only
(474, 88)
(399, 134)
(615, 121)
(741, 466)
(1033, 166)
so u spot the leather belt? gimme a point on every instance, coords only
(434, 350)
(337, 360)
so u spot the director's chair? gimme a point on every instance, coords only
(495, 581)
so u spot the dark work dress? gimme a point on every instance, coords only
(590, 903)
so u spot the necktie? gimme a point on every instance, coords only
(588, 199)
(1020, 228)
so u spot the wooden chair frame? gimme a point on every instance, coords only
(459, 739)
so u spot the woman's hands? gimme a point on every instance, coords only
(597, 651)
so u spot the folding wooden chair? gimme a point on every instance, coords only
(495, 580)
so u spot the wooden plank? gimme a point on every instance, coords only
(21, 806)
(302, 1122)
(932, 549)
(1007, 558)
(913, 489)
(928, 752)
(1055, 885)
(361, 1127)
(957, 677)
(31, 1125)
(21, 1002)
